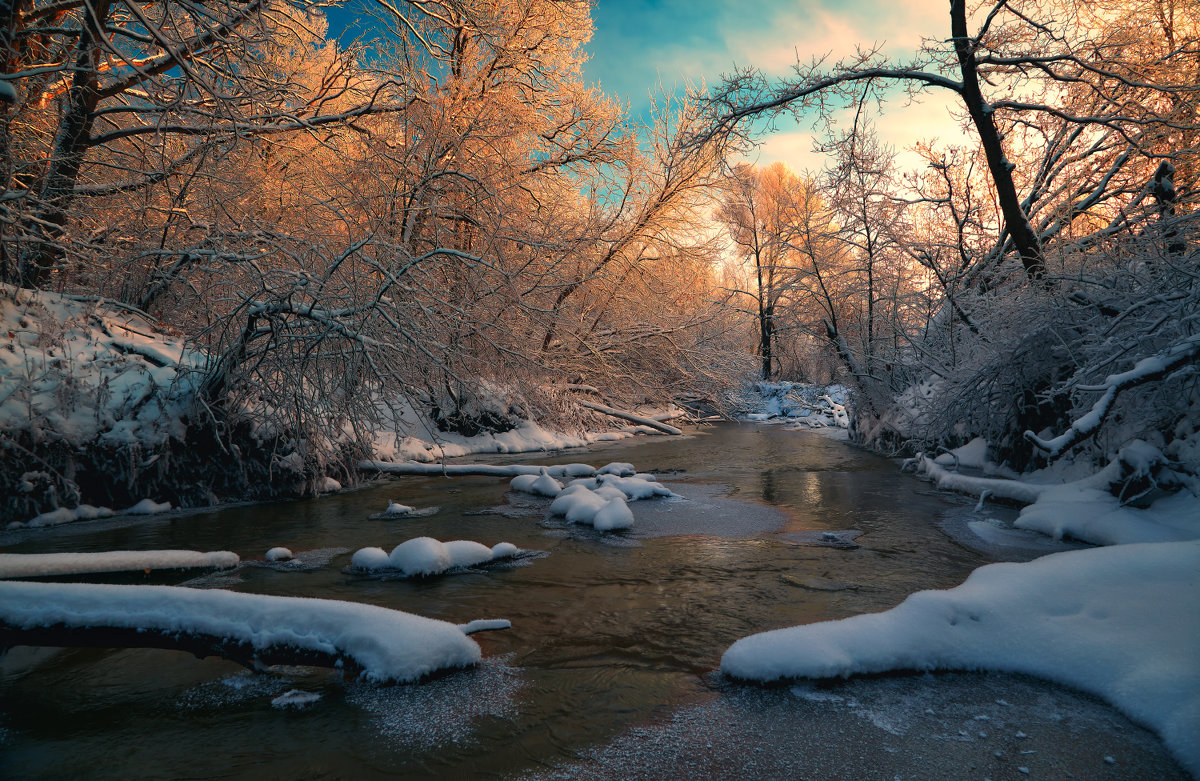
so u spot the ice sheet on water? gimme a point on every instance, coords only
(443, 710)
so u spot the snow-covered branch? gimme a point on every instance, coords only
(1146, 370)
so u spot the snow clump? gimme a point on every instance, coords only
(425, 556)
(279, 554)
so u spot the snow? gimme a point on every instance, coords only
(1086, 511)
(327, 485)
(421, 556)
(41, 565)
(802, 404)
(1120, 622)
(504, 550)
(425, 556)
(636, 488)
(490, 470)
(389, 645)
(484, 625)
(1000, 488)
(148, 507)
(370, 559)
(617, 468)
(972, 455)
(539, 485)
(615, 514)
(418, 439)
(295, 698)
(78, 372)
(279, 554)
(84, 512)
(582, 507)
(395, 508)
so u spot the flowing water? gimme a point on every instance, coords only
(608, 670)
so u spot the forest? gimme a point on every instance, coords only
(432, 215)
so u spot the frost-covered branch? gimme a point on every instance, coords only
(1146, 370)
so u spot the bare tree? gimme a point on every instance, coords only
(1095, 99)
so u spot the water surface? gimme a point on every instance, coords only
(614, 636)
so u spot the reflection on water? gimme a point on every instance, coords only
(608, 632)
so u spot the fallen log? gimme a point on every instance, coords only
(381, 645)
(632, 418)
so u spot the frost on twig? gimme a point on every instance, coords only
(1146, 370)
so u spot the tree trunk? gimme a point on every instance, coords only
(78, 114)
(1015, 219)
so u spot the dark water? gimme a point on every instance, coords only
(614, 638)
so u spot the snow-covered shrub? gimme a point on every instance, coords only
(1105, 355)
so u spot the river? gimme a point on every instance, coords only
(608, 669)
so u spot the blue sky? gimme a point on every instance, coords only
(637, 43)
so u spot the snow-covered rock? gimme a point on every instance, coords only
(421, 556)
(615, 514)
(618, 468)
(279, 553)
(148, 507)
(540, 484)
(424, 556)
(635, 488)
(583, 507)
(370, 559)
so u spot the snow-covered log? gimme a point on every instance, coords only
(43, 565)
(488, 470)
(1146, 370)
(1012, 490)
(632, 418)
(381, 645)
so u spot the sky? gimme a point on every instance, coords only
(640, 43)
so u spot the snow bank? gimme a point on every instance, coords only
(1092, 514)
(1120, 622)
(557, 471)
(77, 372)
(388, 645)
(148, 507)
(424, 556)
(42, 565)
(84, 512)
(423, 442)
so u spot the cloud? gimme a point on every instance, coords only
(834, 27)
(901, 126)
